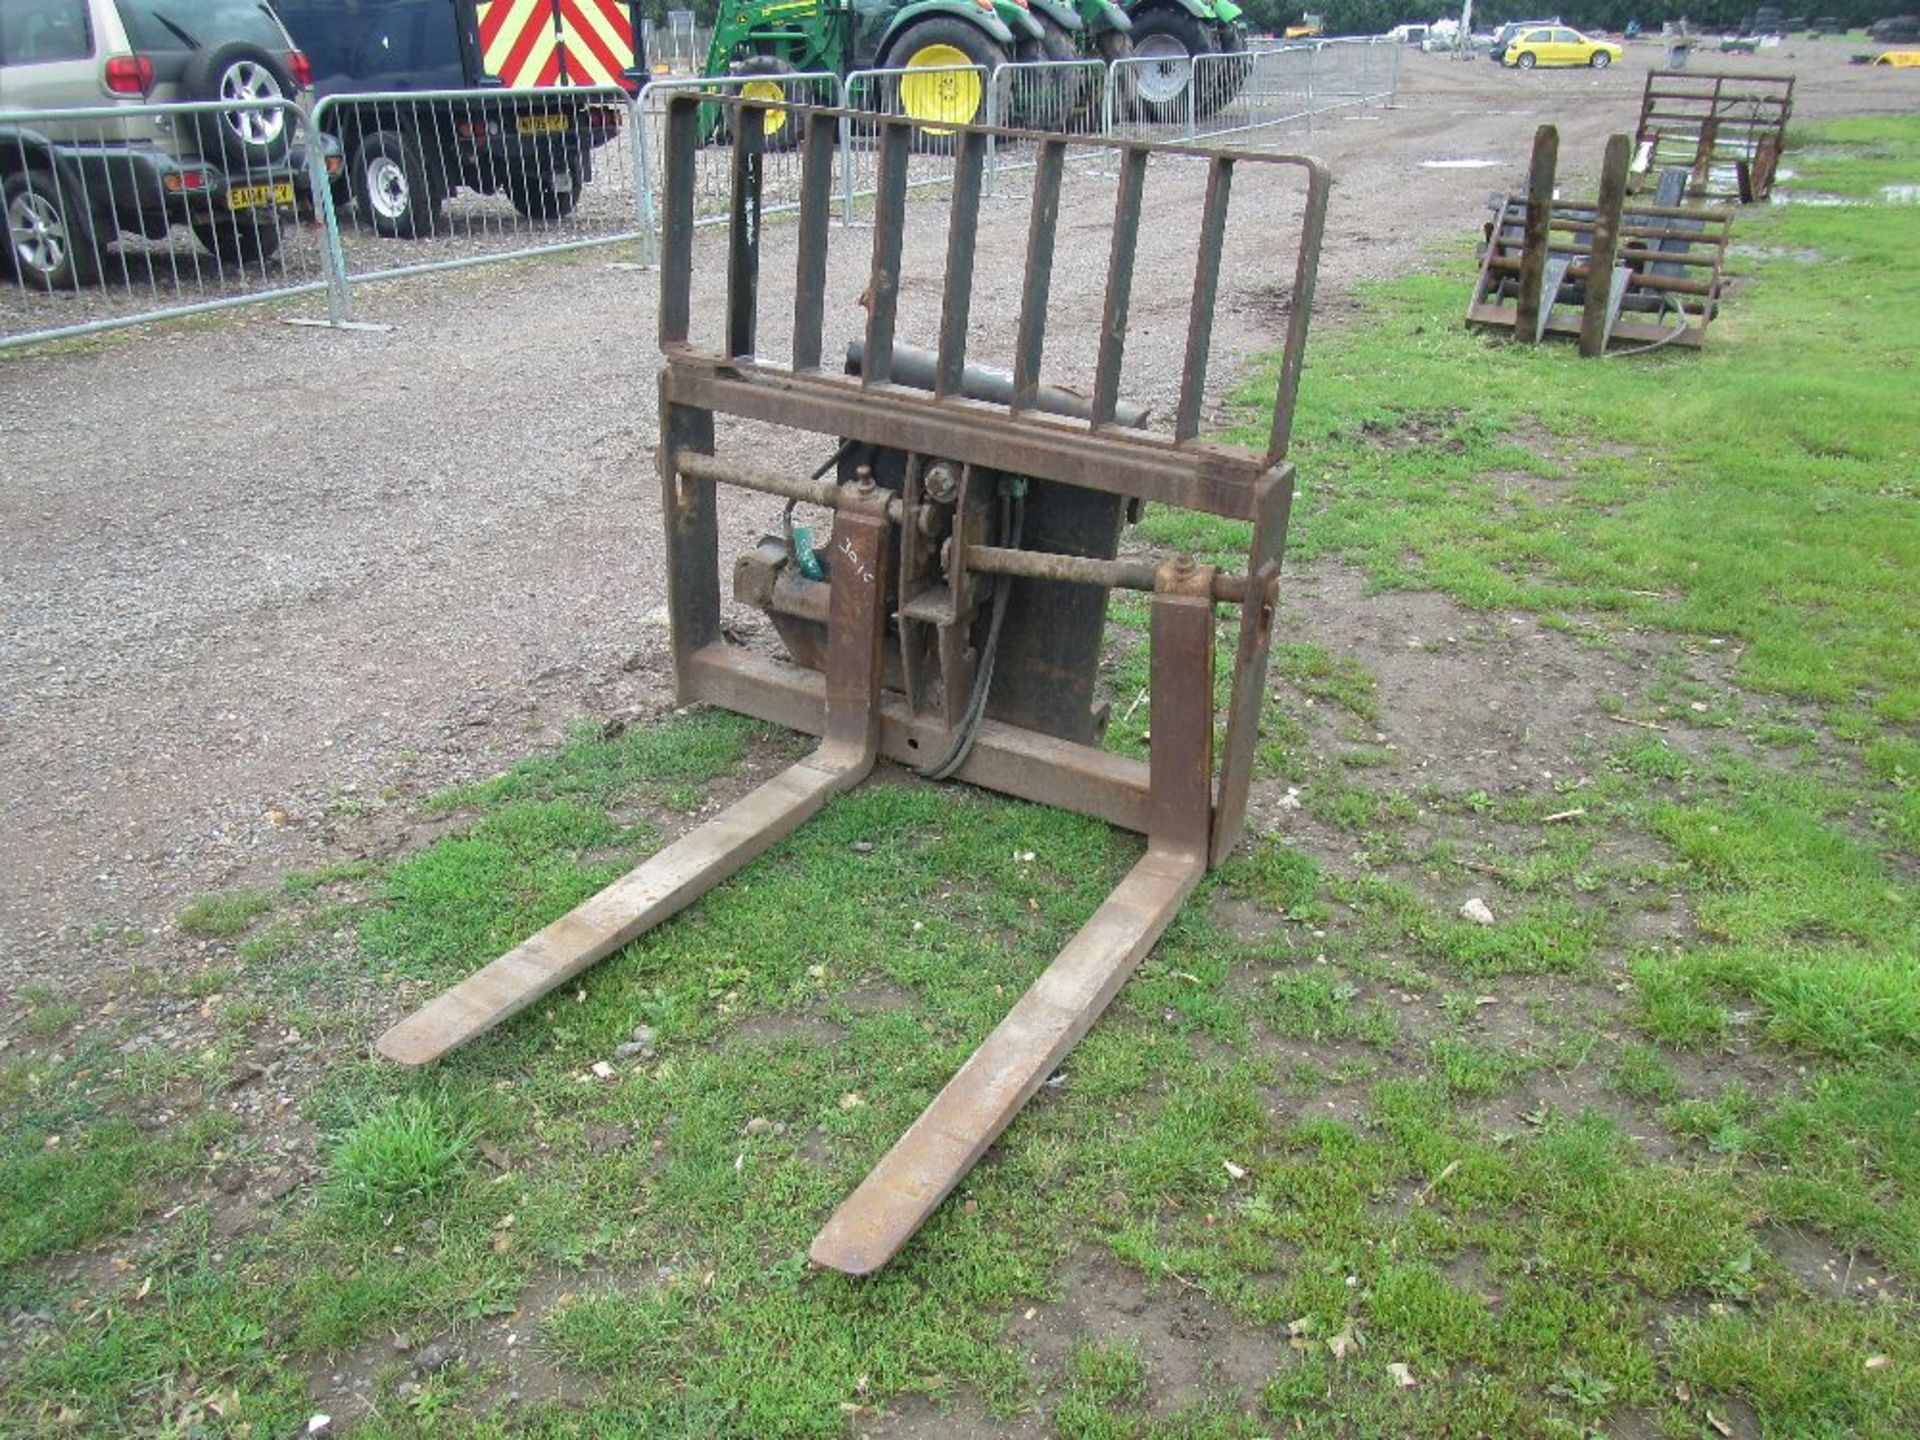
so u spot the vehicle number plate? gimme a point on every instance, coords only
(250, 197)
(545, 124)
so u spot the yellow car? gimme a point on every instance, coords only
(1557, 45)
(1900, 59)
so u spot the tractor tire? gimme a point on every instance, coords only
(1112, 47)
(1170, 39)
(784, 129)
(937, 102)
(1045, 101)
(1222, 81)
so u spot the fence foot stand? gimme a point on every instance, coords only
(316, 322)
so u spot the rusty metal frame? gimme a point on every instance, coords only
(1659, 260)
(1191, 811)
(1727, 128)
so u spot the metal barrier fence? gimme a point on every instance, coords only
(1355, 72)
(126, 213)
(960, 93)
(713, 183)
(1060, 97)
(443, 179)
(100, 204)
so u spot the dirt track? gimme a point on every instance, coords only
(257, 582)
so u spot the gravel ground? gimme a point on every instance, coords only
(259, 585)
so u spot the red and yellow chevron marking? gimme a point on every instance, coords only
(521, 43)
(599, 40)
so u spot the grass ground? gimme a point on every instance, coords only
(1337, 1163)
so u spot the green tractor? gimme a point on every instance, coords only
(1171, 34)
(772, 38)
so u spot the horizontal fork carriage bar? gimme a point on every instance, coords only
(986, 559)
(1193, 476)
(1082, 570)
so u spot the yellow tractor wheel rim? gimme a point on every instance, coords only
(951, 97)
(768, 90)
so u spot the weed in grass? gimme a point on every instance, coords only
(275, 943)
(1324, 675)
(1642, 1072)
(397, 1155)
(1283, 878)
(221, 917)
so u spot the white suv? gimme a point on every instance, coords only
(71, 184)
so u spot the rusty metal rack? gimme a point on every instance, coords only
(1662, 261)
(1726, 130)
(955, 626)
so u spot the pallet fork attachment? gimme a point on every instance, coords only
(935, 629)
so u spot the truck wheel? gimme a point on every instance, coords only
(391, 185)
(239, 242)
(784, 129)
(544, 195)
(240, 71)
(938, 101)
(1167, 40)
(50, 237)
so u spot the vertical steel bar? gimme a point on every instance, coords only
(810, 279)
(691, 514)
(963, 226)
(889, 232)
(1126, 241)
(1037, 284)
(333, 260)
(1206, 284)
(1306, 268)
(646, 214)
(846, 151)
(1594, 320)
(743, 233)
(993, 119)
(1180, 750)
(1272, 507)
(676, 249)
(1533, 253)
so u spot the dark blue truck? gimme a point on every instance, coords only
(383, 70)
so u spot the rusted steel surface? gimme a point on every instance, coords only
(957, 624)
(1727, 130)
(1602, 302)
(1533, 250)
(1611, 271)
